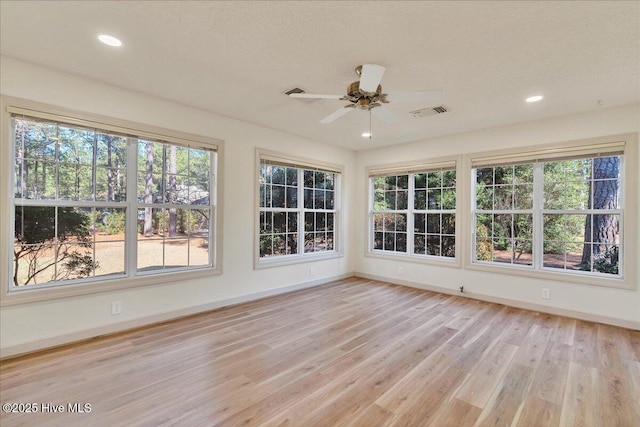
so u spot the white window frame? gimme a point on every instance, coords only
(411, 168)
(131, 278)
(301, 164)
(627, 144)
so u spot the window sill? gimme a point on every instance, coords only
(421, 259)
(281, 261)
(583, 279)
(25, 296)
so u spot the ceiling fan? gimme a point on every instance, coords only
(366, 94)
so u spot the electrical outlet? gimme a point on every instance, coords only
(545, 293)
(312, 271)
(400, 271)
(116, 307)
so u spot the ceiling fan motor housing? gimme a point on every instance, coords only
(363, 100)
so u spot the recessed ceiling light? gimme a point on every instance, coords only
(366, 134)
(534, 98)
(109, 40)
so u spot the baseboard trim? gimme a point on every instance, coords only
(74, 337)
(629, 324)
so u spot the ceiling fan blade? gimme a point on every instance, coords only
(315, 96)
(428, 97)
(384, 114)
(337, 114)
(371, 77)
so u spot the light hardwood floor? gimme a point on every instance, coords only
(351, 353)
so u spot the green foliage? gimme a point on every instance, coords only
(114, 222)
(608, 262)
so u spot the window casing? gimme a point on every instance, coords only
(412, 212)
(298, 210)
(78, 205)
(556, 212)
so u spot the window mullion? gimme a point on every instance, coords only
(131, 248)
(410, 206)
(300, 210)
(538, 218)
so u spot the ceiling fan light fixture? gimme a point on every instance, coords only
(534, 98)
(366, 135)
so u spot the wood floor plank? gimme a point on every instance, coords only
(355, 352)
(486, 375)
(581, 391)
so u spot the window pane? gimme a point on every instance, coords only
(419, 244)
(484, 197)
(266, 222)
(420, 200)
(292, 177)
(390, 200)
(449, 178)
(401, 242)
(434, 199)
(378, 239)
(278, 175)
(503, 197)
(503, 175)
(318, 199)
(39, 180)
(292, 243)
(401, 222)
(523, 196)
(279, 222)
(401, 200)
(448, 246)
(449, 224)
(484, 176)
(449, 198)
(523, 252)
(279, 244)
(484, 249)
(321, 221)
(309, 221)
(433, 223)
(292, 197)
(378, 222)
(278, 196)
(434, 179)
(433, 245)
(419, 223)
(111, 185)
(266, 248)
(308, 199)
(76, 145)
(308, 242)
(292, 222)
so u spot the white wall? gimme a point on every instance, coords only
(598, 302)
(28, 326)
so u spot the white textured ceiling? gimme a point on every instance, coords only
(236, 58)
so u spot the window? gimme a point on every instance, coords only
(298, 209)
(414, 212)
(93, 202)
(560, 212)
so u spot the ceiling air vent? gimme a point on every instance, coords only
(299, 90)
(426, 112)
(294, 90)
